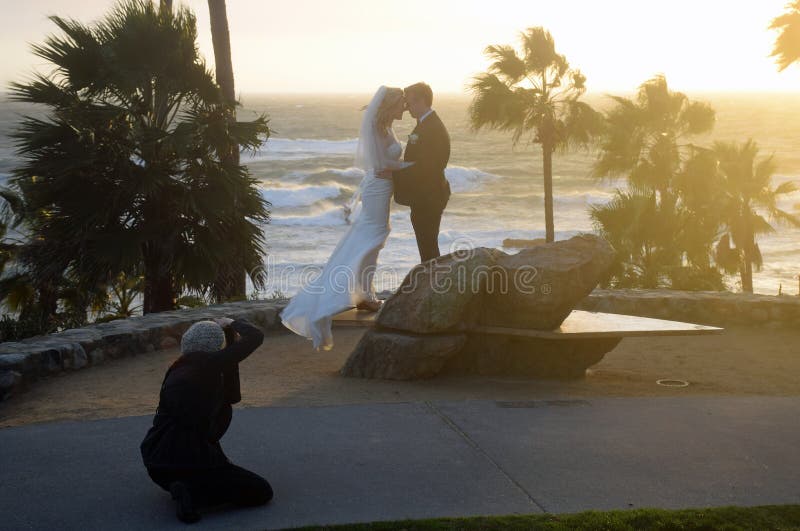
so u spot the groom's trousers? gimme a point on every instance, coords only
(426, 223)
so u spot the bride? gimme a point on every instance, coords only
(346, 279)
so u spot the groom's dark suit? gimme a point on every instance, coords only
(423, 186)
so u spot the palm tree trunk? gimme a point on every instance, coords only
(159, 290)
(220, 36)
(44, 310)
(547, 163)
(747, 273)
(231, 280)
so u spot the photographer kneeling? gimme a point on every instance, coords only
(181, 450)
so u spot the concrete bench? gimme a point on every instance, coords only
(566, 352)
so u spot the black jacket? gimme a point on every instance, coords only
(423, 184)
(194, 407)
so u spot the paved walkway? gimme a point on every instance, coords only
(415, 460)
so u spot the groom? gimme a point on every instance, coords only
(423, 186)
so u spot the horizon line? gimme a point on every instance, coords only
(598, 92)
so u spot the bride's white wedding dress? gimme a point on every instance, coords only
(347, 278)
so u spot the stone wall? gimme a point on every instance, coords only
(702, 307)
(29, 359)
(22, 362)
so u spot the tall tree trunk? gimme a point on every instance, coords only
(747, 273)
(220, 36)
(166, 4)
(547, 162)
(159, 290)
(43, 311)
(231, 279)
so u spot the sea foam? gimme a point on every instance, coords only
(299, 195)
(301, 148)
(327, 216)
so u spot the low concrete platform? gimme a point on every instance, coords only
(579, 324)
(582, 340)
(361, 463)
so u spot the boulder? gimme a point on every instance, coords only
(520, 242)
(97, 356)
(74, 356)
(9, 382)
(441, 294)
(400, 356)
(540, 286)
(21, 362)
(528, 357)
(51, 360)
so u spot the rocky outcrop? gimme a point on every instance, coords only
(401, 356)
(519, 243)
(431, 318)
(9, 383)
(528, 357)
(440, 295)
(540, 286)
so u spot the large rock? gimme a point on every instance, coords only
(540, 286)
(440, 295)
(9, 383)
(528, 357)
(401, 356)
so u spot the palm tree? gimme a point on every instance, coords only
(231, 280)
(645, 142)
(535, 92)
(636, 226)
(126, 173)
(787, 44)
(644, 137)
(746, 192)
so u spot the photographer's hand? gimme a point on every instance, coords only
(250, 338)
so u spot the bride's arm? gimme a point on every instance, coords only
(392, 165)
(388, 165)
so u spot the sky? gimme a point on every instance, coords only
(341, 46)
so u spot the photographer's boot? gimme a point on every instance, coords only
(185, 509)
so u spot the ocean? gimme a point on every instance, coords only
(306, 172)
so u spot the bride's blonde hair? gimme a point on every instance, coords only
(384, 117)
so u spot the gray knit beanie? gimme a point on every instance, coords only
(203, 336)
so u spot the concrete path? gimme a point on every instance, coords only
(360, 463)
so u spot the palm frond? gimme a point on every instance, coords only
(786, 187)
(540, 50)
(506, 64)
(787, 45)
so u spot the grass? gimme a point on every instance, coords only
(767, 517)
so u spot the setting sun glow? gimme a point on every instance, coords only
(353, 46)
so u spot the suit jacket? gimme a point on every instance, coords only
(423, 184)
